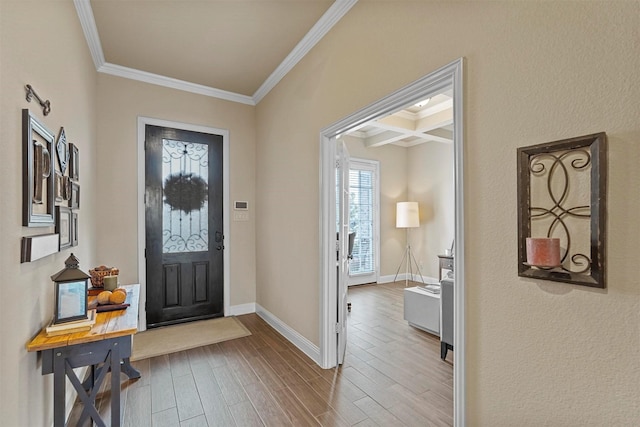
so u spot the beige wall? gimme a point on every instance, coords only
(99, 114)
(539, 353)
(122, 101)
(430, 183)
(41, 43)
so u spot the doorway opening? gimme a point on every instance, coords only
(449, 76)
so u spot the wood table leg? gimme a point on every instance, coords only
(129, 370)
(115, 385)
(59, 394)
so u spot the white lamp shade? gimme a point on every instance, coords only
(407, 215)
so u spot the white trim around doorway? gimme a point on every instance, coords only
(142, 279)
(449, 76)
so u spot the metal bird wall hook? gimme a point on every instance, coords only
(46, 105)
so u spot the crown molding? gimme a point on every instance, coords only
(331, 17)
(156, 79)
(88, 23)
(83, 7)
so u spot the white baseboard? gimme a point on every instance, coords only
(402, 276)
(389, 279)
(303, 344)
(237, 310)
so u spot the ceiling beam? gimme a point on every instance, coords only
(435, 121)
(383, 138)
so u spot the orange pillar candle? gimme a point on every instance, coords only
(543, 251)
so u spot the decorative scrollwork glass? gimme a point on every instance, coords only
(185, 172)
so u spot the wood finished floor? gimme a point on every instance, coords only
(392, 376)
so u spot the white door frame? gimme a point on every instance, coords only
(142, 273)
(448, 76)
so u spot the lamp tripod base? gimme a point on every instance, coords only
(410, 260)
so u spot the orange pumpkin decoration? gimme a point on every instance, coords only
(104, 297)
(117, 297)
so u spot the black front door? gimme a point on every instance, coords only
(183, 212)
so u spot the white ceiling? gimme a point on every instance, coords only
(236, 50)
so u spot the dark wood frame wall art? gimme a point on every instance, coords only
(51, 191)
(74, 228)
(74, 162)
(64, 224)
(571, 212)
(74, 199)
(38, 173)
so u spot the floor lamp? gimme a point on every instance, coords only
(408, 216)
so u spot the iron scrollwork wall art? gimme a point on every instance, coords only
(562, 195)
(38, 170)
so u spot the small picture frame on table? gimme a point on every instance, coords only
(71, 301)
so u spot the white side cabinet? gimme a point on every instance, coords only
(422, 309)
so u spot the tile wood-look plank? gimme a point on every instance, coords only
(137, 410)
(199, 421)
(179, 363)
(266, 406)
(377, 414)
(232, 390)
(245, 415)
(166, 418)
(295, 410)
(392, 376)
(162, 391)
(187, 399)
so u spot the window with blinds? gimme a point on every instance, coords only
(362, 211)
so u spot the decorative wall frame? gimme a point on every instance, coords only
(62, 150)
(74, 162)
(59, 187)
(64, 226)
(562, 194)
(74, 199)
(74, 229)
(35, 247)
(37, 173)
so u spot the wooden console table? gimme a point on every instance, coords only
(103, 348)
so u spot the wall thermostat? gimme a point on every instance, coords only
(240, 205)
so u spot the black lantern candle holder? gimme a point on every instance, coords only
(71, 285)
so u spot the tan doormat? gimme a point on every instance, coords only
(171, 339)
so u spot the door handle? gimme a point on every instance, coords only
(220, 247)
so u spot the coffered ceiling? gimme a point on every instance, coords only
(428, 121)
